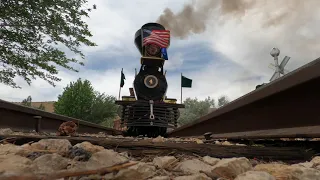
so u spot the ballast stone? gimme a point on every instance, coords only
(255, 175)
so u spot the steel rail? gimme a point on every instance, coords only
(22, 118)
(287, 102)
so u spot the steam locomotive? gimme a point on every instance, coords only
(147, 111)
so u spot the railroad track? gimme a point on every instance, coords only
(286, 107)
(24, 119)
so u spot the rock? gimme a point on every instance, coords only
(158, 139)
(89, 147)
(199, 176)
(12, 163)
(226, 143)
(68, 128)
(238, 144)
(210, 160)
(161, 178)
(231, 167)
(6, 131)
(316, 161)
(49, 163)
(60, 145)
(78, 154)
(105, 158)
(91, 177)
(138, 171)
(305, 164)
(164, 162)
(193, 166)
(253, 175)
(125, 154)
(281, 171)
(271, 168)
(199, 141)
(10, 149)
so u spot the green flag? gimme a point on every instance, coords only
(186, 82)
(122, 78)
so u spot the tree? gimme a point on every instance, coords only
(223, 100)
(76, 100)
(80, 100)
(27, 102)
(42, 107)
(31, 33)
(103, 109)
(195, 109)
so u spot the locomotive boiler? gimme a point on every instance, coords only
(148, 111)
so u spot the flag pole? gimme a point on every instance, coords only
(120, 83)
(181, 88)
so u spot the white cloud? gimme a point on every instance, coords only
(174, 62)
(244, 45)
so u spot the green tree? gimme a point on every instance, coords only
(80, 100)
(195, 109)
(223, 100)
(76, 100)
(31, 34)
(27, 101)
(103, 109)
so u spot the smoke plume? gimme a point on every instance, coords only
(194, 17)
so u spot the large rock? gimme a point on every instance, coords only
(231, 167)
(138, 171)
(305, 164)
(161, 178)
(89, 147)
(60, 145)
(6, 131)
(210, 160)
(193, 166)
(10, 149)
(286, 172)
(12, 164)
(316, 161)
(254, 175)
(49, 163)
(105, 158)
(164, 162)
(199, 176)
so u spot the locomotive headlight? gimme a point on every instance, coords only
(151, 81)
(153, 49)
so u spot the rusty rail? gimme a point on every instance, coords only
(22, 118)
(290, 101)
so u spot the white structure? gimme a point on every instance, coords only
(279, 69)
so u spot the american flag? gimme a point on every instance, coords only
(158, 37)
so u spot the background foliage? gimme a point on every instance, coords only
(195, 108)
(32, 34)
(80, 100)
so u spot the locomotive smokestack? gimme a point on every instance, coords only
(138, 35)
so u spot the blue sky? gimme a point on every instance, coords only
(228, 58)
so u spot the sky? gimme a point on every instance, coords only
(223, 46)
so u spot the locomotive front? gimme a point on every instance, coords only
(150, 83)
(148, 111)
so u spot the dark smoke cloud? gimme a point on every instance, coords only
(193, 18)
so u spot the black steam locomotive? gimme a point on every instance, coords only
(147, 111)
